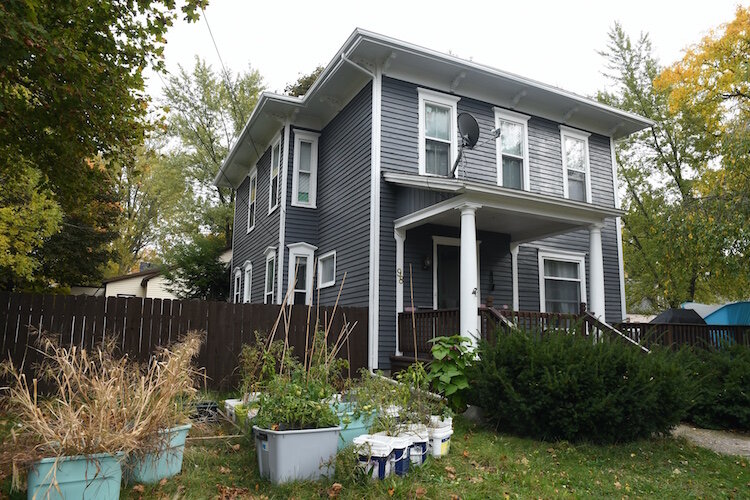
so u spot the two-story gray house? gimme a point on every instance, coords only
(356, 177)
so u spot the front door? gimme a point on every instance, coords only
(448, 276)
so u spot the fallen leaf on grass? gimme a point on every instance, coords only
(455, 497)
(466, 454)
(334, 490)
(475, 480)
(233, 493)
(524, 461)
(224, 470)
(391, 491)
(236, 447)
(420, 492)
(450, 469)
(618, 485)
(163, 482)
(139, 488)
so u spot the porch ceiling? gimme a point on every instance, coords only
(524, 216)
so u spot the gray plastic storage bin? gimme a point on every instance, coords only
(285, 456)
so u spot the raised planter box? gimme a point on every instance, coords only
(94, 477)
(167, 462)
(285, 456)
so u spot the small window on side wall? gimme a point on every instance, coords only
(273, 190)
(237, 285)
(247, 289)
(575, 159)
(270, 279)
(305, 173)
(438, 143)
(327, 269)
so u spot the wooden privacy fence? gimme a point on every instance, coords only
(676, 335)
(140, 325)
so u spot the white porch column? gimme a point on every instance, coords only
(400, 236)
(469, 288)
(514, 270)
(596, 270)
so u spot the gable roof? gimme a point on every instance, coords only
(347, 73)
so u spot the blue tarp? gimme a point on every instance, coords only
(737, 313)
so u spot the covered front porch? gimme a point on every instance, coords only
(461, 256)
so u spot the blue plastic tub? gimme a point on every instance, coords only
(351, 427)
(167, 462)
(95, 477)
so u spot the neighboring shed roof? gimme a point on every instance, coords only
(737, 313)
(683, 316)
(348, 72)
(147, 274)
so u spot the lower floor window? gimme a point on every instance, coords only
(562, 283)
(237, 283)
(270, 281)
(300, 287)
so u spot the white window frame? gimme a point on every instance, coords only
(519, 119)
(247, 289)
(311, 137)
(446, 100)
(253, 178)
(237, 295)
(581, 136)
(268, 295)
(327, 255)
(307, 250)
(274, 204)
(575, 257)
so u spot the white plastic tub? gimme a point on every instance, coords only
(229, 406)
(285, 456)
(374, 453)
(440, 441)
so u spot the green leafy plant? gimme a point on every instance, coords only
(289, 403)
(447, 373)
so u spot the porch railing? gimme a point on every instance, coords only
(425, 326)
(676, 335)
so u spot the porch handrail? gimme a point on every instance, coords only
(594, 322)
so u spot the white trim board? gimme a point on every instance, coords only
(374, 268)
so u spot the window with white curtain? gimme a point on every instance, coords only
(438, 144)
(305, 173)
(512, 149)
(575, 151)
(273, 191)
(562, 282)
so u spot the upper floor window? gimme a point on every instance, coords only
(301, 257)
(247, 290)
(575, 159)
(270, 280)
(273, 190)
(327, 269)
(251, 199)
(562, 285)
(438, 144)
(512, 149)
(305, 175)
(237, 285)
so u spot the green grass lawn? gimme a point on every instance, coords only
(483, 464)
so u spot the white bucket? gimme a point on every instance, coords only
(439, 422)
(419, 436)
(440, 441)
(401, 454)
(229, 405)
(374, 453)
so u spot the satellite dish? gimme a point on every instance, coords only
(468, 129)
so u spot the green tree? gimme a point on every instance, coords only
(303, 83)
(194, 270)
(29, 215)
(674, 240)
(72, 101)
(205, 115)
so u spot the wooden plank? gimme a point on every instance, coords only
(5, 316)
(144, 344)
(120, 309)
(132, 328)
(78, 320)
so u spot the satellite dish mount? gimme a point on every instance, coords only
(468, 130)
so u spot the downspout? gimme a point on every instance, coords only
(374, 267)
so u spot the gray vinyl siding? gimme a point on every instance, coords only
(577, 241)
(400, 145)
(251, 246)
(344, 198)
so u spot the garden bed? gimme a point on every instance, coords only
(482, 464)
